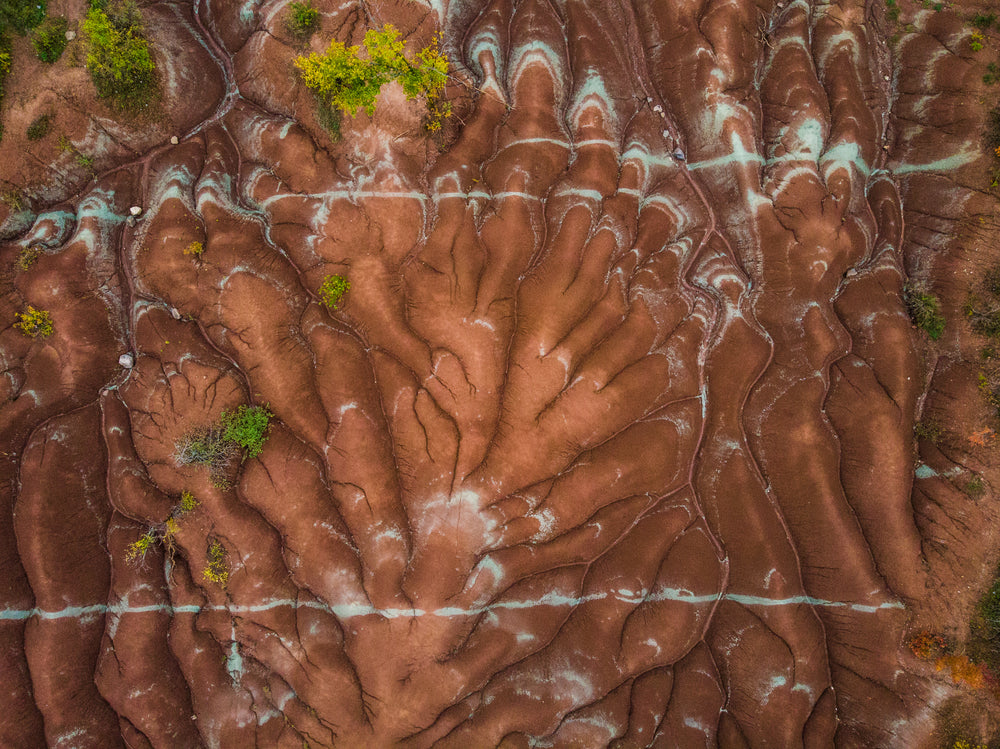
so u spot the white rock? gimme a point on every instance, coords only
(666, 133)
(135, 210)
(649, 99)
(175, 313)
(885, 77)
(851, 272)
(127, 361)
(70, 36)
(679, 154)
(657, 108)
(174, 140)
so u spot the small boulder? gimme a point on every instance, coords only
(175, 313)
(135, 210)
(679, 154)
(127, 361)
(70, 36)
(174, 140)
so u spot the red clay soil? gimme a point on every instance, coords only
(610, 442)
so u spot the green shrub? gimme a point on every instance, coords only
(246, 427)
(39, 127)
(21, 15)
(302, 20)
(925, 311)
(984, 643)
(983, 20)
(928, 429)
(344, 80)
(49, 39)
(975, 486)
(118, 57)
(992, 74)
(332, 290)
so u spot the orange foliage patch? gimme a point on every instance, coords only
(983, 437)
(963, 671)
(926, 645)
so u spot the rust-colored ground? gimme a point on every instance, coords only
(609, 443)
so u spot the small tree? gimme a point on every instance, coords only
(343, 79)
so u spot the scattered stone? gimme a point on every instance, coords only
(851, 272)
(174, 140)
(135, 210)
(175, 313)
(679, 154)
(127, 361)
(657, 108)
(130, 221)
(70, 36)
(649, 99)
(885, 78)
(666, 133)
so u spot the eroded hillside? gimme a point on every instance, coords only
(610, 440)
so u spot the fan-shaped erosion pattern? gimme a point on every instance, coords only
(609, 443)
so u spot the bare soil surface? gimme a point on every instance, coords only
(611, 440)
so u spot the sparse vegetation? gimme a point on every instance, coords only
(984, 629)
(982, 310)
(977, 41)
(975, 486)
(5, 60)
(243, 431)
(49, 39)
(118, 56)
(928, 429)
(332, 290)
(195, 249)
(39, 127)
(136, 551)
(892, 9)
(925, 311)
(28, 256)
(927, 645)
(217, 570)
(992, 74)
(13, 198)
(345, 80)
(34, 323)
(302, 20)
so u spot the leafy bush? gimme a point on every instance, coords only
(925, 311)
(977, 41)
(118, 57)
(39, 127)
(49, 39)
(332, 290)
(302, 20)
(343, 79)
(195, 249)
(34, 323)
(246, 427)
(188, 502)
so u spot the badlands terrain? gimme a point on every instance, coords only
(609, 443)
